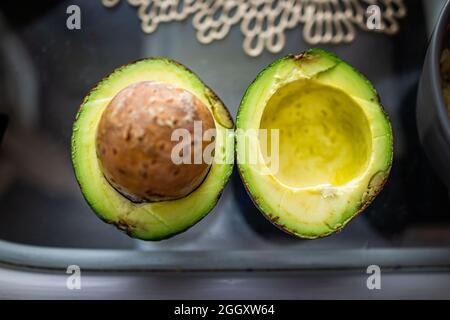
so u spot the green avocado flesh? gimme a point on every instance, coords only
(335, 143)
(155, 220)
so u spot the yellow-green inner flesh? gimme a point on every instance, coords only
(324, 137)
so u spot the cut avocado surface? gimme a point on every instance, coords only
(335, 145)
(149, 220)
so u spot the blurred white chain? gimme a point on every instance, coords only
(264, 22)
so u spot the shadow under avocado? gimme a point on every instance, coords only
(254, 217)
(3, 124)
(414, 194)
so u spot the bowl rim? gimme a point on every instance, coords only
(436, 47)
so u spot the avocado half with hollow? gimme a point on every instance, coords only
(122, 149)
(334, 143)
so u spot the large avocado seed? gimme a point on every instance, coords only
(134, 144)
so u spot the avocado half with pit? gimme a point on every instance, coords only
(123, 148)
(334, 145)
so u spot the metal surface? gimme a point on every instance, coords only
(26, 284)
(183, 261)
(408, 226)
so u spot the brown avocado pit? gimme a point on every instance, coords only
(134, 141)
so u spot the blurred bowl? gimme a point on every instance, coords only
(433, 121)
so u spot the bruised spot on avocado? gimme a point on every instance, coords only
(306, 58)
(376, 182)
(123, 225)
(300, 57)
